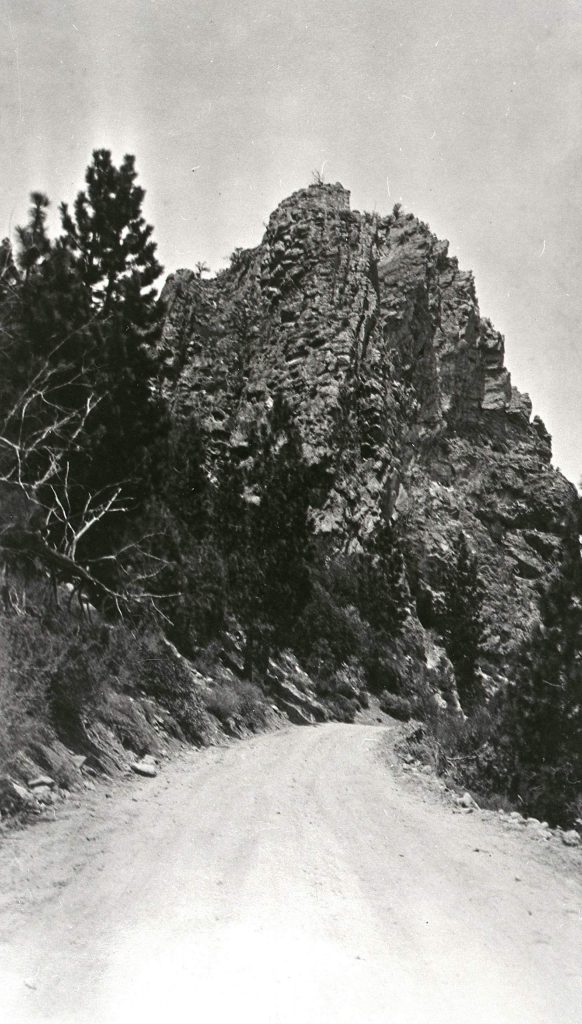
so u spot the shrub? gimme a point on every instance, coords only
(381, 582)
(16, 724)
(141, 659)
(343, 691)
(539, 727)
(339, 627)
(356, 608)
(53, 668)
(252, 707)
(461, 625)
(320, 660)
(127, 721)
(222, 703)
(199, 615)
(76, 684)
(397, 707)
(52, 673)
(383, 670)
(240, 700)
(466, 752)
(240, 258)
(342, 708)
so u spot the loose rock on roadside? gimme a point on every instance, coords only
(146, 766)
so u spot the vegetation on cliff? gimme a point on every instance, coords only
(318, 451)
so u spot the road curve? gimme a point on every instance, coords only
(290, 878)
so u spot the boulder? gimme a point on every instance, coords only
(466, 800)
(45, 794)
(146, 768)
(41, 780)
(15, 798)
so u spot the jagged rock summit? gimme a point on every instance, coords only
(398, 385)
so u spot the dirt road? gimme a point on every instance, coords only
(291, 878)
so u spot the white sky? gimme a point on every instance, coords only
(469, 111)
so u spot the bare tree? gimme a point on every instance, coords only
(39, 435)
(39, 432)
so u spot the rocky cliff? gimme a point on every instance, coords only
(400, 391)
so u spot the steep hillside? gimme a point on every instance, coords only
(373, 335)
(275, 493)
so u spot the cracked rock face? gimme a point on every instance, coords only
(398, 386)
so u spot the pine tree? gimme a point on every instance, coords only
(261, 525)
(80, 363)
(280, 527)
(54, 314)
(187, 487)
(56, 317)
(234, 537)
(382, 590)
(10, 284)
(45, 342)
(461, 622)
(113, 243)
(113, 254)
(33, 240)
(89, 307)
(542, 715)
(8, 272)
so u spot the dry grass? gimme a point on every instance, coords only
(460, 751)
(64, 680)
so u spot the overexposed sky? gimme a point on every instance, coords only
(468, 111)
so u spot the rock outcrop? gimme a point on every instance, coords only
(399, 388)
